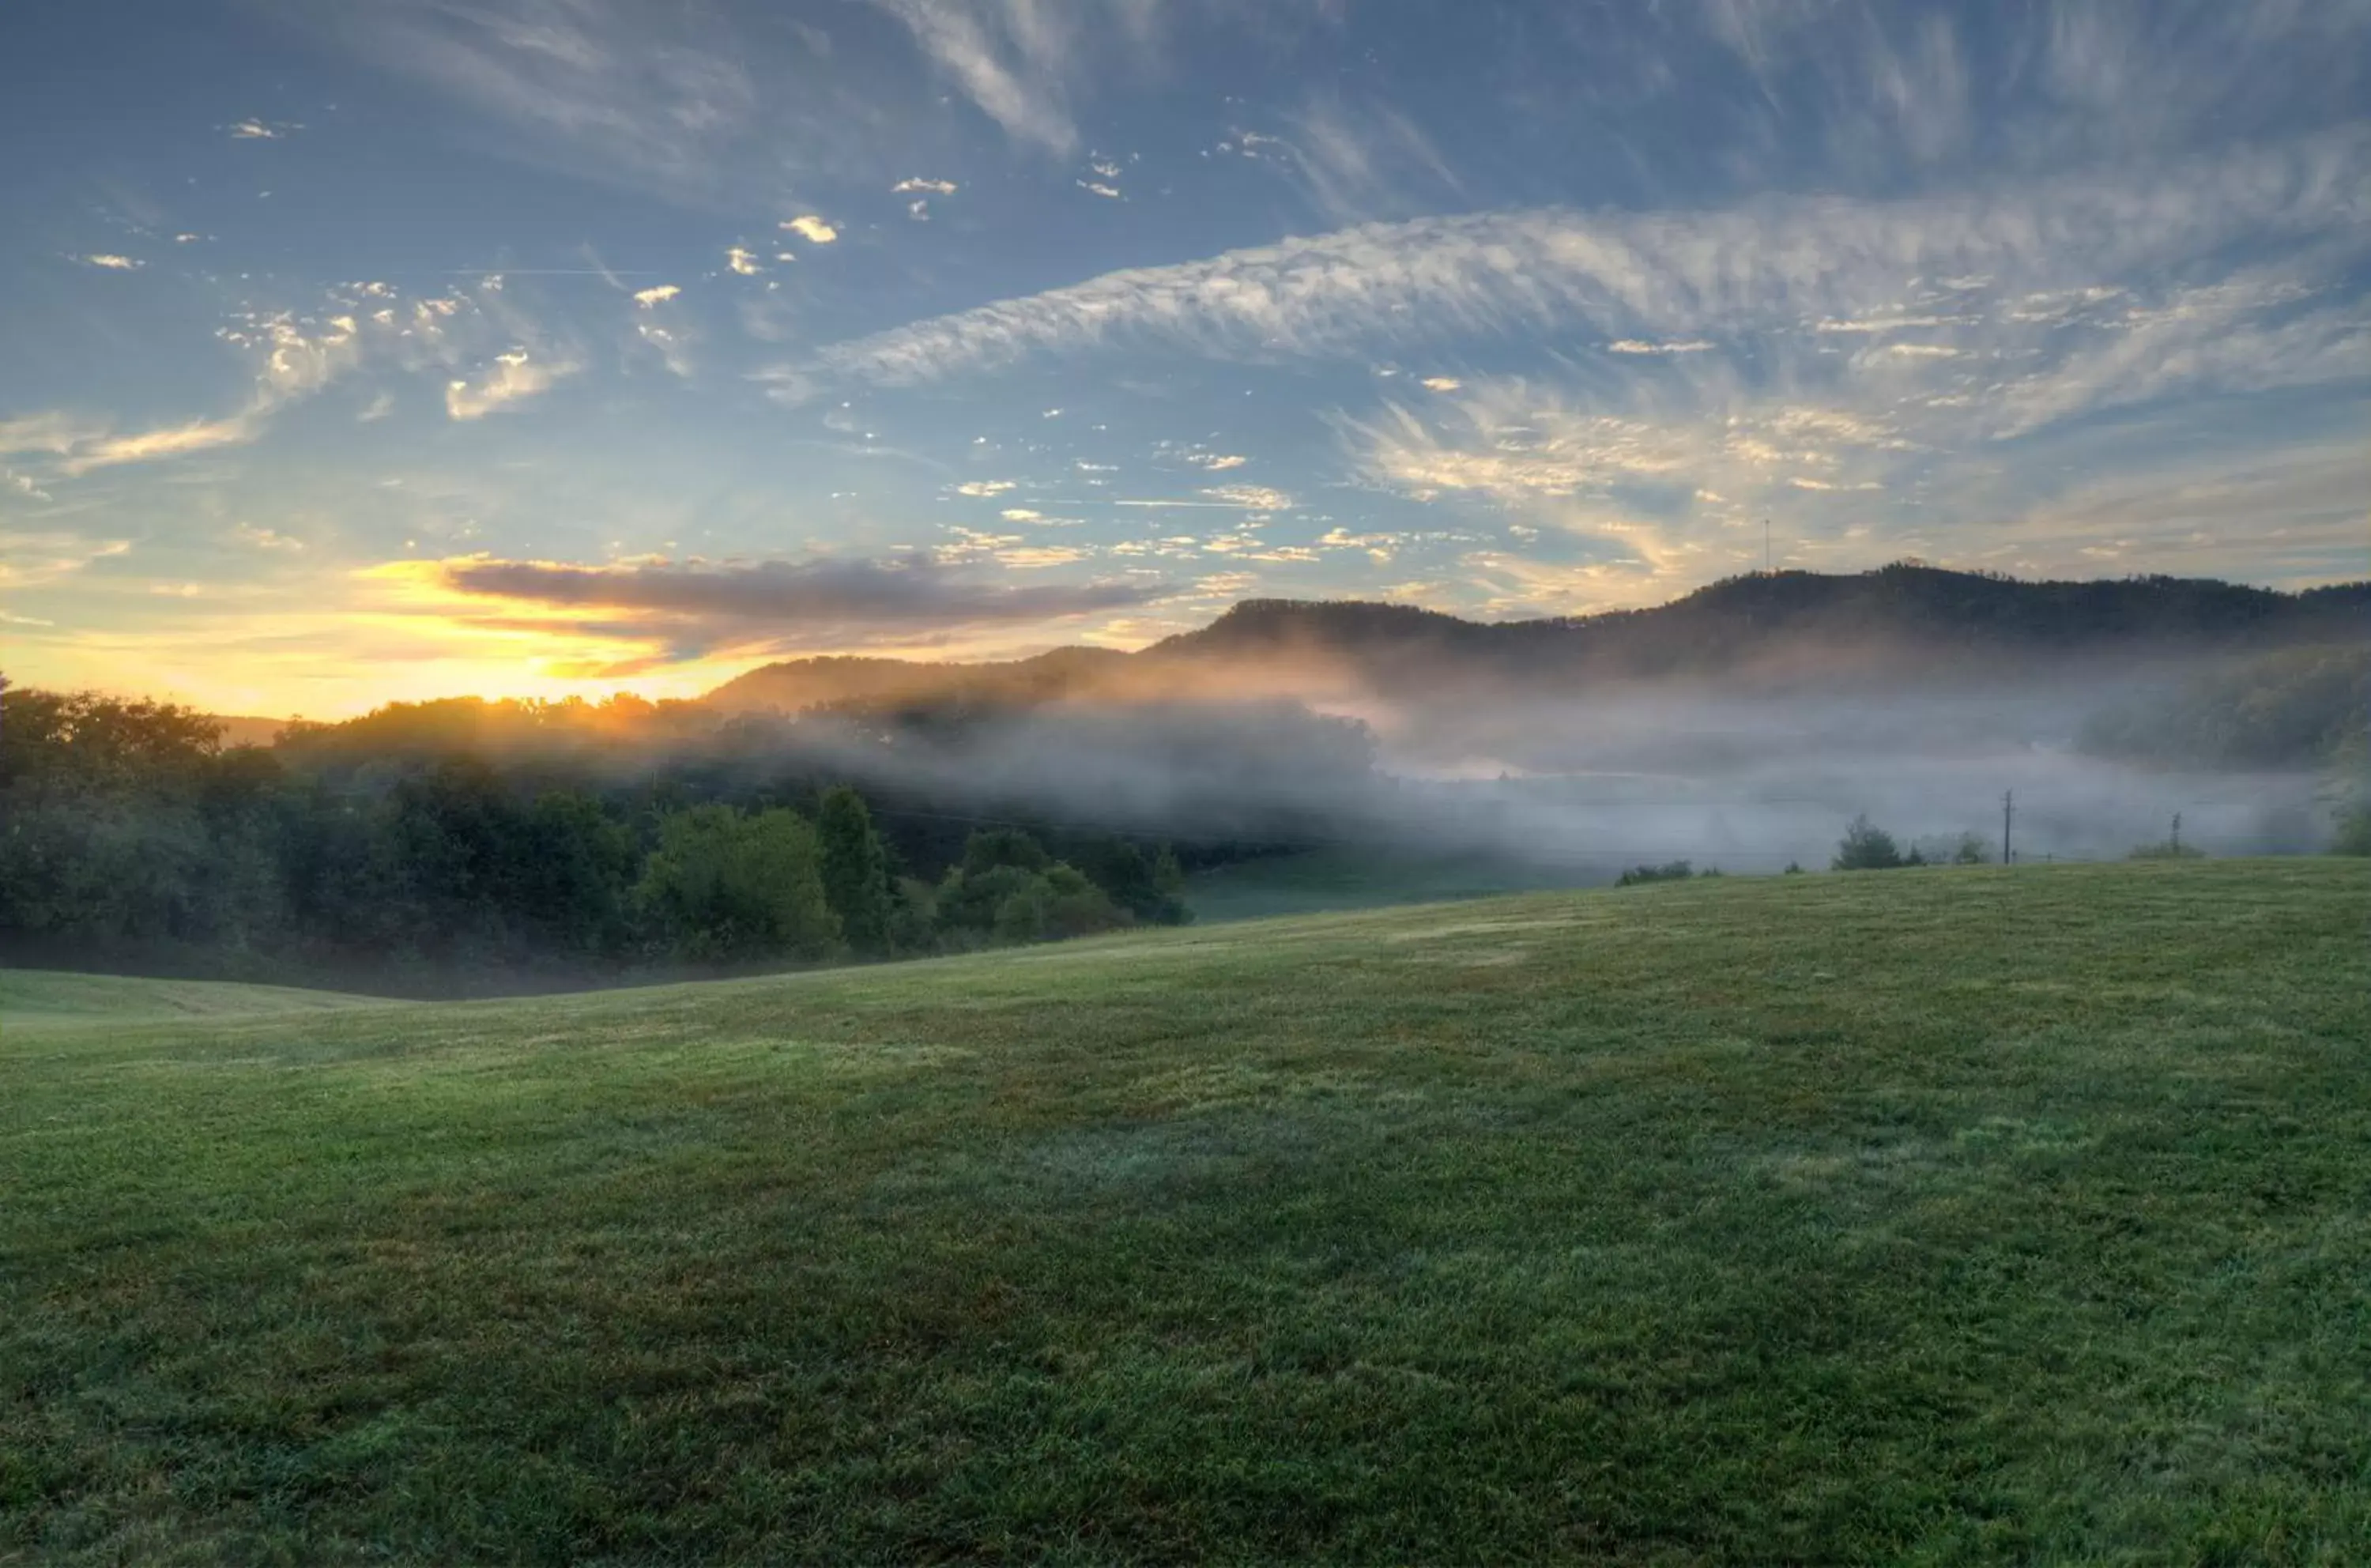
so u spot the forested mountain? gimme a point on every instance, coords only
(803, 683)
(1881, 622)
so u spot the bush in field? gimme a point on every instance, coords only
(1971, 851)
(1868, 847)
(724, 883)
(1673, 871)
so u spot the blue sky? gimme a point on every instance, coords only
(547, 346)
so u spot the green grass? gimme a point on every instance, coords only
(1924, 1216)
(1321, 881)
(33, 997)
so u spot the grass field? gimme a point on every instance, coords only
(1320, 880)
(1926, 1217)
(31, 997)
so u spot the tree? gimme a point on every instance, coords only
(855, 870)
(970, 901)
(1077, 907)
(726, 885)
(913, 916)
(1133, 882)
(574, 888)
(1971, 851)
(1865, 848)
(988, 849)
(1024, 915)
(1674, 870)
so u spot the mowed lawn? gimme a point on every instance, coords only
(1924, 1216)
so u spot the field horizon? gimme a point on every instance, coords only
(1944, 1215)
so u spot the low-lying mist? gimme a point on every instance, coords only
(1643, 771)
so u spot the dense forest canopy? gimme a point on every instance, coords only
(463, 843)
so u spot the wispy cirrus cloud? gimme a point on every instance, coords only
(1029, 67)
(502, 358)
(512, 377)
(1357, 160)
(74, 444)
(29, 557)
(1657, 281)
(1011, 59)
(667, 99)
(1862, 458)
(170, 440)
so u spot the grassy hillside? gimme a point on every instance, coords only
(29, 996)
(1929, 1216)
(1320, 880)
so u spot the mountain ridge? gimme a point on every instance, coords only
(1903, 610)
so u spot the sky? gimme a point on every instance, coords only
(547, 347)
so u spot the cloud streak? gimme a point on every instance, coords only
(679, 611)
(512, 378)
(172, 440)
(1660, 282)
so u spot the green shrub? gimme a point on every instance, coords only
(1868, 847)
(726, 885)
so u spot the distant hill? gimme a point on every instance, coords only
(246, 730)
(1898, 618)
(800, 684)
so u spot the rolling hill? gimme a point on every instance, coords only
(1898, 622)
(1932, 1216)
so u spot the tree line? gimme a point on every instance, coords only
(132, 833)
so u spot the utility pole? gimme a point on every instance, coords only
(1766, 569)
(2008, 815)
(2176, 834)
